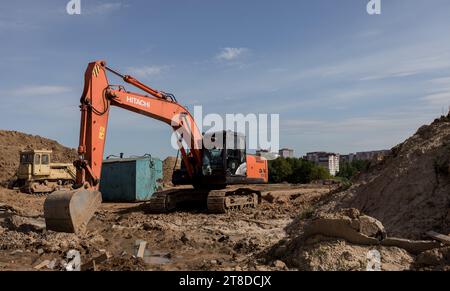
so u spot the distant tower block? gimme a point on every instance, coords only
(286, 153)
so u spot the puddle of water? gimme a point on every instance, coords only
(156, 257)
(153, 257)
(153, 260)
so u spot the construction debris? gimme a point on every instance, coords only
(42, 265)
(141, 249)
(439, 237)
(91, 265)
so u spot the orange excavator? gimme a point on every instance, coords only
(217, 173)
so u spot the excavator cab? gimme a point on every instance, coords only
(222, 164)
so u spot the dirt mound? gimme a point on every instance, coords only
(320, 254)
(349, 240)
(409, 191)
(168, 167)
(11, 142)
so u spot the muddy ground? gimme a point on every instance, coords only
(189, 239)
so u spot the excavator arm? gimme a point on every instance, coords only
(96, 100)
(70, 211)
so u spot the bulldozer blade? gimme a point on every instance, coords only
(70, 211)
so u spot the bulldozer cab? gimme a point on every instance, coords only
(34, 163)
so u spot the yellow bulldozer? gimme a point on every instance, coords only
(38, 175)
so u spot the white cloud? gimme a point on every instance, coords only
(441, 81)
(147, 71)
(232, 53)
(442, 98)
(40, 90)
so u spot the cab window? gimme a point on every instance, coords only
(37, 159)
(26, 158)
(45, 159)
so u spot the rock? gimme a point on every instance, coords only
(92, 263)
(280, 265)
(429, 258)
(352, 213)
(269, 198)
(223, 238)
(282, 200)
(371, 227)
(147, 226)
(25, 224)
(213, 262)
(338, 228)
(184, 238)
(261, 268)
(52, 264)
(97, 239)
(40, 251)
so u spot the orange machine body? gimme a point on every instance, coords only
(99, 95)
(257, 168)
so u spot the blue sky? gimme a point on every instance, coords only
(340, 79)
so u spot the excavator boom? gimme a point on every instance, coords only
(70, 211)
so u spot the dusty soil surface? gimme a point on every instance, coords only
(12, 142)
(409, 191)
(189, 239)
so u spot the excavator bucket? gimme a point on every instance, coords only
(70, 211)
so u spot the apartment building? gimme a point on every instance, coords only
(329, 161)
(286, 153)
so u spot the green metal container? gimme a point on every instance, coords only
(131, 179)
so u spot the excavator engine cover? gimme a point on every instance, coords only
(70, 211)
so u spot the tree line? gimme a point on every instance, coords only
(301, 171)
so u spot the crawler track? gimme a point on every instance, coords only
(216, 201)
(222, 201)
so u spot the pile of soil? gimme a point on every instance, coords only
(349, 240)
(409, 191)
(168, 167)
(12, 142)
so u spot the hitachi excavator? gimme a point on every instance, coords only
(221, 176)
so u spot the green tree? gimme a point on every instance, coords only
(296, 171)
(279, 170)
(350, 170)
(319, 173)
